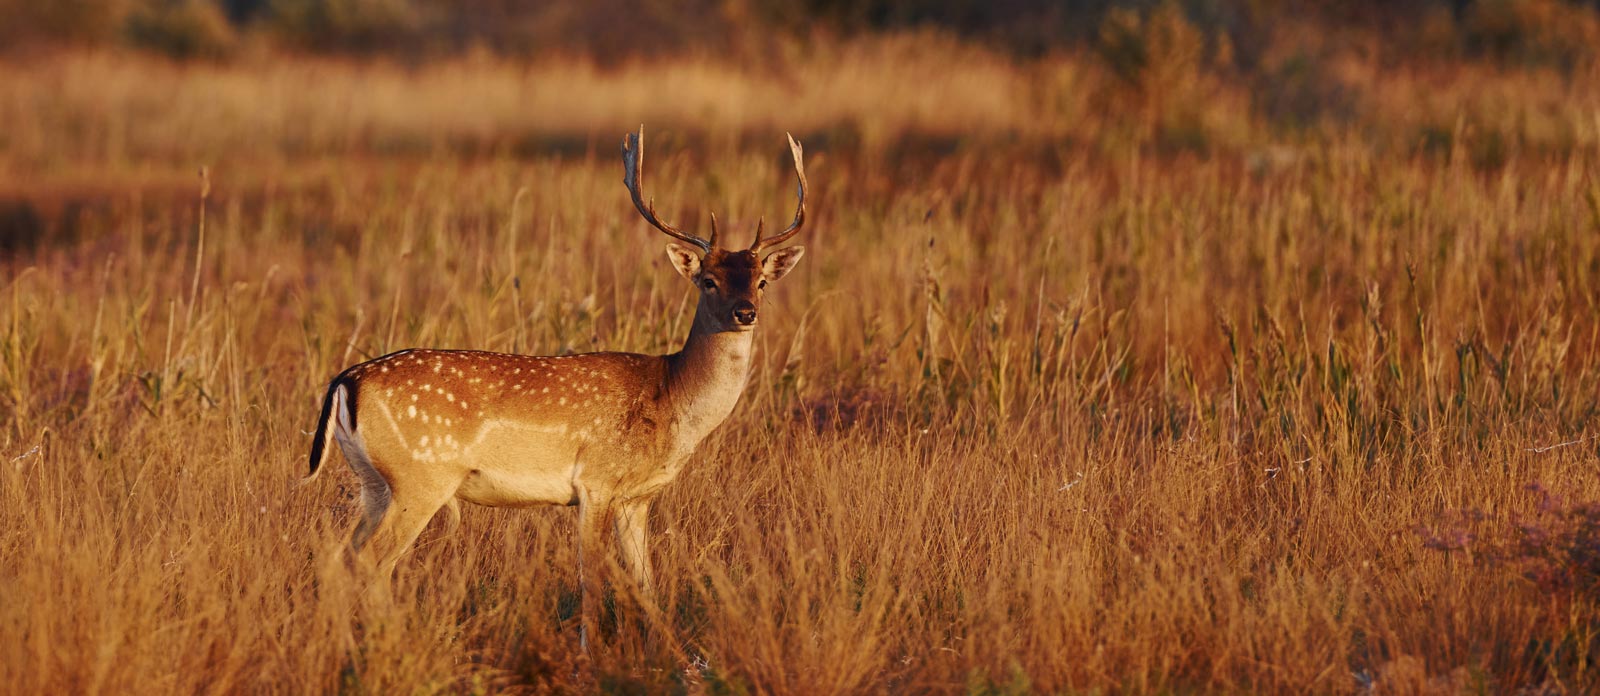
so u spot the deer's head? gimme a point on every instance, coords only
(730, 282)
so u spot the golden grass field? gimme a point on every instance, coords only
(1080, 387)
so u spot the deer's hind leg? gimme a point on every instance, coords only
(376, 495)
(395, 506)
(374, 503)
(414, 501)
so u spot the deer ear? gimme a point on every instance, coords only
(778, 263)
(686, 260)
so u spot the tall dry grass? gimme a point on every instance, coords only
(1099, 416)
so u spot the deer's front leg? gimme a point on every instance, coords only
(591, 515)
(633, 529)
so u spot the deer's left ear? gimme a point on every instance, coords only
(778, 263)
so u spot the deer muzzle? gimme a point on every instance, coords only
(744, 312)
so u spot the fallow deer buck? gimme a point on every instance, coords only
(423, 429)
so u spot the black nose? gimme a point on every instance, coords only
(744, 312)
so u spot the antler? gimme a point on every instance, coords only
(800, 209)
(632, 159)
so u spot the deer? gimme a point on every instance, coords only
(424, 429)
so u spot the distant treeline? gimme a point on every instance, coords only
(1537, 31)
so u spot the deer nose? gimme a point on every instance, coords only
(744, 312)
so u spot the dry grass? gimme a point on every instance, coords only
(1095, 418)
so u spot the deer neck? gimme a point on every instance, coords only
(706, 378)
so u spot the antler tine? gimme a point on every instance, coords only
(632, 161)
(800, 208)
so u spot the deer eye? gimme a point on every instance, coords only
(708, 284)
(762, 285)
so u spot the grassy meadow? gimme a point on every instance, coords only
(1086, 384)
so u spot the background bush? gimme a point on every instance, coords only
(1560, 32)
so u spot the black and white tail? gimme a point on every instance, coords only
(338, 411)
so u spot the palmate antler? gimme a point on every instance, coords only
(799, 211)
(632, 161)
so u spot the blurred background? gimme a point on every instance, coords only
(106, 101)
(1231, 33)
(1188, 75)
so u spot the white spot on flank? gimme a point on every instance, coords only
(412, 410)
(424, 441)
(563, 401)
(451, 397)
